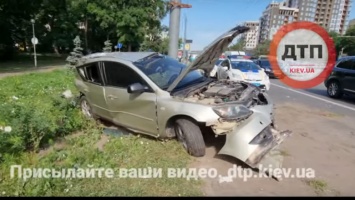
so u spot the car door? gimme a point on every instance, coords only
(348, 75)
(223, 69)
(255, 72)
(94, 88)
(135, 111)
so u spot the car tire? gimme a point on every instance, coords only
(190, 135)
(86, 108)
(334, 89)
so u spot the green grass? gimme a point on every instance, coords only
(319, 186)
(118, 153)
(26, 62)
(49, 132)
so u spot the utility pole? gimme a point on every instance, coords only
(185, 52)
(34, 41)
(174, 26)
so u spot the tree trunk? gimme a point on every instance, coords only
(24, 45)
(55, 49)
(129, 47)
(86, 32)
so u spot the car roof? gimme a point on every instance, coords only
(128, 56)
(346, 58)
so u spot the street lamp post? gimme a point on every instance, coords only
(34, 41)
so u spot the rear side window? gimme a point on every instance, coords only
(119, 75)
(347, 64)
(91, 73)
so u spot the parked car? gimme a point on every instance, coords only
(265, 64)
(214, 71)
(243, 70)
(342, 79)
(154, 94)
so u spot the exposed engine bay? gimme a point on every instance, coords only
(226, 91)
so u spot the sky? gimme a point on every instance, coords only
(207, 19)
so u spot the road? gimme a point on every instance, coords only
(315, 97)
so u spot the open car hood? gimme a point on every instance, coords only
(210, 55)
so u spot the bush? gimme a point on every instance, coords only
(34, 109)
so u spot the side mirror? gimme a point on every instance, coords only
(225, 68)
(136, 88)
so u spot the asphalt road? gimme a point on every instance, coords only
(315, 97)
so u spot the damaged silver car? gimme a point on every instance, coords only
(153, 94)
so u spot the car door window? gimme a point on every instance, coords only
(120, 75)
(347, 64)
(254, 67)
(91, 73)
(225, 63)
(242, 66)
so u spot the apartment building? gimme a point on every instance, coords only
(252, 36)
(331, 14)
(274, 16)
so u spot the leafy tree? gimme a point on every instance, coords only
(58, 21)
(108, 46)
(76, 54)
(337, 41)
(347, 43)
(155, 41)
(239, 46)
(262, 48)
(128, 20)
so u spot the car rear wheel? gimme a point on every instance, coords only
(190, 135)
(86, 108)
(334, 89)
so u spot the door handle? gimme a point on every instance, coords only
(112, 97)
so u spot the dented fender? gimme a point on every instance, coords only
(237, 141)
(258, 127)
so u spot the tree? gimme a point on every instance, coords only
(337, 41)
(263, 48)
(58, 21)
(128, 20)
(108, 46)
(76, 54)
(347, 44)
(239, 46)
(155, 41)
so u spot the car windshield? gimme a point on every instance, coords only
(235, 57)
(163, 70)
(219, 62)
(265, 63)
(245, 66)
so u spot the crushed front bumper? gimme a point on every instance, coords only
(251, 140)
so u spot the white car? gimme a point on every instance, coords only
(215, 68)
(243, 70)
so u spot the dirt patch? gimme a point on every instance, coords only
(44, 69)
(321, 141)
(101, 143)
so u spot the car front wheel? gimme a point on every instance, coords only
(334, 90)
(86, 108)
(190, 135)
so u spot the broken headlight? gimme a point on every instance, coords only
(233, 112)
